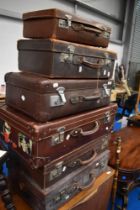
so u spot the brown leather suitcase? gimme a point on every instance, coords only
(57, 24)
(59, 168)
(60, 59)
(56, 195)
(40, 143)
(94, 198)
(45, 99)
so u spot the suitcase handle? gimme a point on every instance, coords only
(89, 185)
(78, 99)
(85, 162)
(90, 98)
(91, 65)
(81, 27)
(86, 133)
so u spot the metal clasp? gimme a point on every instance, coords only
(58, 137)
(106, 89)
(69, 17)
(60, 91)
(107, 118)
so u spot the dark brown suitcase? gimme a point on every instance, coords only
(57, 169)
(94, 198)
(56, 195)
(60, 59)
(57, 24)
(41, 143)
(45, 99)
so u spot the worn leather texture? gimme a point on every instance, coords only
(61, 25)
(47, 99)
(56, 195)
(61, 59)
(59, 168)
(40, 143)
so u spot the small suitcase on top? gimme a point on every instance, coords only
(60, 59)
(64, 165)
(59, 193)
(47, 99)
(41, 143)
(57, 24)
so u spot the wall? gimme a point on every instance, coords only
(11, 29)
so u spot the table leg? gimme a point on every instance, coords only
(5, 194)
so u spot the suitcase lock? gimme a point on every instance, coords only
(107, 118)
(58, 138)
(57, 171)
(60, 91)
(67, 57)
(65, 23)
(56, 100)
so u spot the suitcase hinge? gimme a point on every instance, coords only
(59, 137)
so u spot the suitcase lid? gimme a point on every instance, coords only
(39, 131)
(56, 13)
(59, 46)
(42, 85)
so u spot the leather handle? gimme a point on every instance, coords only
(87, 198)
(81, 27)
(87, 186)
(91, 65)
(90, 132)
(80, 98)
(90, 98)
(78, 131)
(85, 162)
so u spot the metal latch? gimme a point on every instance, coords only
(107, 118)
(58, 100)
(106, 89)
(57, 171)
(58, 137)
(65, 23)
(69, 17)
(68, 55)
(60, 91)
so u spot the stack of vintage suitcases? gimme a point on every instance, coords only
(58, 117)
